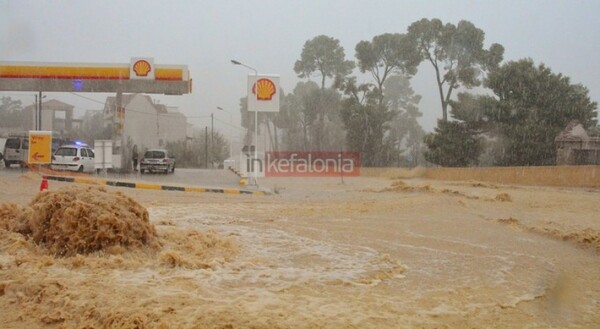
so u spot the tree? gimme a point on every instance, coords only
(93, 128)
(10, 112)
(406, 134)
(373, 122)
(323, 54)
(533, 106)
(530, 107)
(456, 53)
(386, 54)
(453, 144)
(366, 122)
(310, 118)
(191, 153)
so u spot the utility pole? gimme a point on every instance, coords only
(212, 135)
(40, 112)
(206, 146)
(35, 119)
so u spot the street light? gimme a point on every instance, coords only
(234, 62)
(230, 116)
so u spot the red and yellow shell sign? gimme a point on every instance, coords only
(142, 68)
(266, 89)
(263, 93)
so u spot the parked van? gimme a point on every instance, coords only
(15, 150)
(2, 142)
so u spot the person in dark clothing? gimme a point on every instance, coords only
(134, 157)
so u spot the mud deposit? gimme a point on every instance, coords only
(369, 253)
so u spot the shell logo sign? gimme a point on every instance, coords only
(266, 89)
(142, 68)
(263, 93)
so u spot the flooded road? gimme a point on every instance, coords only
(369, 253)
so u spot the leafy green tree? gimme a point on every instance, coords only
(456, 53)
(453, 144)
(374, 119)
(533, 106)
(324, 55)
(530, 107)
(406, 134)
(366, 122)
(10, 112)
(306, 123)
(192, 153)
(387, 54)
(93, 128)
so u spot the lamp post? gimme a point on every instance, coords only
(234, 62)
(230, 116)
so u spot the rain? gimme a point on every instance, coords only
(267, 164)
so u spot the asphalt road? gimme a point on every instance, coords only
(218, 178)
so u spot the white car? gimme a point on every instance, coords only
(78, 157)
(157, 160)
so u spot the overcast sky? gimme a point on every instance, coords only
(269, 35)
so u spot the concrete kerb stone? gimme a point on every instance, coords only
(150, 186)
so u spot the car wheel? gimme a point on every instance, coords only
(173, 169)
(6, 163)
(80, 169)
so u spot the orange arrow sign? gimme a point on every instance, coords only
(40, 147)
(36, 156)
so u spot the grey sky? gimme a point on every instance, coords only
(269, 36)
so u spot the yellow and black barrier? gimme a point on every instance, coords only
(150, 186)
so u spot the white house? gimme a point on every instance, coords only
(146, 124)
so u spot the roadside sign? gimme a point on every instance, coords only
(263, 93)
(40, 147)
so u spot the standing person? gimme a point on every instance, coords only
(134, 157)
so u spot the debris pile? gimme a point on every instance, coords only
(81, 220)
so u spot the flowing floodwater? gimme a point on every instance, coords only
(364, 254)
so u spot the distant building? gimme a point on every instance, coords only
(575, 147)
(146, 124)
(56, 117)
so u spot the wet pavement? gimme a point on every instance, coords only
(218, 178)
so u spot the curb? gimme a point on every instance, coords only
(243, 180)
(149, 186)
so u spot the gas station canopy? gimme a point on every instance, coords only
(141, 75)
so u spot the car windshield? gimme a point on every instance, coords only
(13, 143)
(154, 155)
(66, 151)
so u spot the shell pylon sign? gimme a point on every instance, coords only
(141, 75)
(263, 93)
